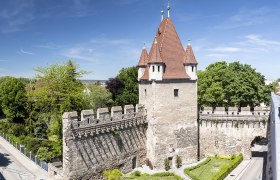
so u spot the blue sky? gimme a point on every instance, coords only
(104, 36)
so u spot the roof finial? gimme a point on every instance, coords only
(144, 47)
(156, 40)
(189, 42)
(168, 9)
(162, 12)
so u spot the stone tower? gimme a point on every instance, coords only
(168, 90)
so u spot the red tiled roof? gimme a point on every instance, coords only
(143, 58)
(171, 51)
(154, 55)
(190, 58)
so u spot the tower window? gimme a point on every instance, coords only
(176, 92)
(158, 68)
(192, 68)
(145, 92)
(153, 68)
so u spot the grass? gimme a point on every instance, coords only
(211, 169)
(157, 176)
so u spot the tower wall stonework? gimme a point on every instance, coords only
(106, 142)
(230, 132)
(172, 121)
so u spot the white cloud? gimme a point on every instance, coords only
(258, 40)
(217, 55)
(246, 17)
(25, 52)
(81, 53)
(226, 49)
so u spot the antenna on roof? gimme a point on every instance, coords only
(162, 12)
(168, 9)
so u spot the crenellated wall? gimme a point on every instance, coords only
(230, 132)
(109, 139)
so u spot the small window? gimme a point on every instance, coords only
(153, 68)
(145, 92)
(176, 92)
(158, 68)
(192, 68)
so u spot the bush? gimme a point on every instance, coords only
(166, 165)
(135, 174)
(178, 161)
(113, 175)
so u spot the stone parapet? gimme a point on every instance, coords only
(233, 111)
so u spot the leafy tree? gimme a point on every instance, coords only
(115, 86)
(124, 87)
(99, 96)
(233, 84)
(13, 99)
(57, 90)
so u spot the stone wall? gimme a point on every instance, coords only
(109, 140)
(230, 132)
(172, 121)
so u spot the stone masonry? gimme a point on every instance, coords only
(111, 140)
(230, 132)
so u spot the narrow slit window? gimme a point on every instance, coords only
(158, 68)
(176, 92)
(145, 92)
(192, 68)
(153, 68)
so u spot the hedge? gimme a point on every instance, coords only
(188, 170)
(224, 171)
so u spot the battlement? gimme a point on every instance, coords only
(104, 121)
(219, 114)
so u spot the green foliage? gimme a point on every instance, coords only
(166, 164)
(178, 161)
(232, 84)
(57, 90)
(113, 175)
(124, 87)
(99, 96)
(13, 99)
(225, 164)
(156, 176)
(135, 174)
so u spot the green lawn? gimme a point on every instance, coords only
(208, 170)
(156, 176)
(217, 167)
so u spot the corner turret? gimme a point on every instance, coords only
(156, 64)
(142, 63)
(190, 63)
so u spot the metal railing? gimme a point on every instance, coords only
(23, 150)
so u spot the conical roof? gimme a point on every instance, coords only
(143, 58)
(154, 55)
(190, 58)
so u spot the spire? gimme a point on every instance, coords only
(154, 56)
(143, 58)
(189, 58)
(168, 9)
(162, 12)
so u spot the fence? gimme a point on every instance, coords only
(23, 150)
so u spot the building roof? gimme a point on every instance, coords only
(154, 55)
(190, 58)
(171, 52)
(143, 58)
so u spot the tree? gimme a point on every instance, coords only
(99, 96)
(115, 86)
(13, 99)
(233, 84)
(56, 91)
